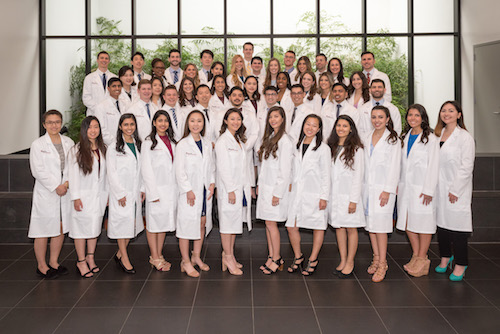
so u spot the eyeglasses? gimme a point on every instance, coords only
(159, 68)
(53, 123)
(271, 94)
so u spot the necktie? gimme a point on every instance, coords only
(249, 68)
(149, 113)
(338, 110)
(176, 77)
(118, 107)
(139, 76)
(293, 115)
(368, 77)
(207, 73)
(104, 81)
(377, 103)
(206, 113)
(175, 116)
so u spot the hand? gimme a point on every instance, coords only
(231, 197)
(257, 190)
(211, 190)
(384, 198)
(427, 199)
(78, 204)
(61, 190)
(122, 201)
(352, 208)
(290, 188)
(452, 198)
(190, 198)
(143, 196)
(254, 193)
(322, 204)
(276, 201)
(158, 200)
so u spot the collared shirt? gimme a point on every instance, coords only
(290, 70)
(380, 103)
(172, 72)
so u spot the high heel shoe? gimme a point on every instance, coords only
(296, 264)
(344, 276)
(420, 267)
(373, 265)
(127, 271)
(238, 265)
(193, 273)
(455, 278)
(158, 264)
(262, 267)
(88, 274)
(268, 271)
(196, 256)
(95, 269)
(310, 269)
(380, 273)
(51, 273)
(442, 270)
(411, 263)
(227, 265)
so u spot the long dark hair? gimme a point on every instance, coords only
(182, 94)
(170, 130)
(440, 124)
(289, 84)
(162, 101)
(365, 88)
(314, 87)
(120, 143)
(270, 143)
(351, 144)
(426, 129)
(123, 70)
(393, 136)
(84, 155)
(215, 63)
(186, 124)
(240, 133)
(256, 95)
(319, 135)
(224, 92)
(340, 76)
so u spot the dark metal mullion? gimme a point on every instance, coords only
(225, 34)
(457, 52)
(271, 2)
(411, 62)
(318, 24)
(42, 79)
(134, 28)
(363, 24)
(88, 41)
(179, 25)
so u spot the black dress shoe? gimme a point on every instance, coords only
(50, 274)
(343, 276)
(128, 271)
(61, 270)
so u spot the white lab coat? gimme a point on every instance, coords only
(314, 104)
(141, 115)
(252, 134)
(124, 96)
(170, 78)
(49, 210)
(124, 176)
(230, 83)
(203, 78)
(310, 184)
(456, 164)
(381, 174)
(209, 130)
(385, 78)
(143, 76)
(158, 175)
(109, 117)
(293, 81)
(274, 179)
(361, 102)
(419, 175)
(329, 116)
(319, 105)
(346, 81)
(286, 101)
(365, 117)
(195, 171)
(233, 174)
(218, 110)
(346, 185)
(93, 89)
(294, 129)
(177, 127)
(92, 190)
(262, 112)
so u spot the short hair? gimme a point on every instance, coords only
(368, 53)
(51, 112)
(339, 84)
(198, 88)
(322, 55)
(102, 53)
(249, 43)
(156, 60)
(113, 80)
(143, 82)
(170, 87)
(292, 52)
(298, 86)
(208, 52)
(256, 58)
(137, 53)
(377, 80)
(172, 51)
(273, 88)
(236, 88)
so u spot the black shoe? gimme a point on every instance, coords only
(88, 274)
(343, 276)
(50, 274)
(297, 264)
(268, 271)
(61, 270)
(337, 272)
(310, 269)
(127, 271)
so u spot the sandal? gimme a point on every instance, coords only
(296, 265)
(380, 273)
(268, 271)
(196, 256)
(96, 268)
(310, 269)
(373, 266)
(262, 267)
(88, 274)
(158, 264)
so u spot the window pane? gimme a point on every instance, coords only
(111, 17)
(262, 48)
(391, 57)
(251, 19)
(387, 16)
(71, 23)
(434, 75)
(295, 16)
(339, 16)
(155, 48)
(301, 47)
(439, 19)
(202, 17)
(156, 17)
(191, 49)
(119, 52)
(347, 49)
(65, 69)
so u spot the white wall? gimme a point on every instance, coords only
(19, 96)
(479, 25)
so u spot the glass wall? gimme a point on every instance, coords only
(415, 42)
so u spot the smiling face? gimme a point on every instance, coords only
(297, 95)
(335, 67)
(339, 94)
(302, 66)
(220, 85)
(145, 92)
(307, 81)
(251, 85)
(217, 70)
(379, 119)
(195, 123)
(238, 64)
(115, 89)
(170, 96)
(414, 119)
(127, 78)
(324, 83)
(93, 130)
(233, 122)
(343, 128)
(289, 59)
(157, 87)
(311, 127)
(137, 63)
(103, 62)
(271, 97)
(159, 69)
(128, 127)
(274, 67)
(368, 62)
(203, 95)
(52, 124)
(281, 81)
(320, 63)
(256, 65)
(275, 120)
(236, 98)
(357, 82)
(161, 124)
(206, 60)
(449, 114)
(248, 51)
(191, 71)
(174, 59)
(187, 87)
(377, 90)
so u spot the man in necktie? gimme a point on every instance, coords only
(171, 97)
(96, 83)
(203, 96)
(142, 109)
(109, 110)
(174, 57)
(137, 62)
(206, 58)
(247, 56)
(299, 112)
(371, 73)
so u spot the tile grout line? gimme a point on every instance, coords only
(487, 258)
(312, 305)
(251, 290)
(425, 296)
(196, 290)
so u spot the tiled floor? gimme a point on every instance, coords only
(153, 302)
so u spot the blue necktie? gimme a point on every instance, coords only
(338, 110)
(176, 77)
(173, 114)
(104, 81)
(377, 103)
(206, 113)
(118, 107)
(147, 107)
(139, 76)
(293, 115)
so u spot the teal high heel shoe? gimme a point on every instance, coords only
(455, 278)
(442, 270)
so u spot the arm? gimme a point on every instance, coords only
(115, 186)
(431, 177)
(74, 174)
(464, 172)
(357, 180)
(87, 98)
(39, 169)
(285, 156)
(394, 167)
(252, 132)
(223, 166)
(147, 172)
(324, 167)
(100, 113)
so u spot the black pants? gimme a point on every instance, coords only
(453, 243)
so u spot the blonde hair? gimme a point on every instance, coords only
(234, 75)
(196, 76)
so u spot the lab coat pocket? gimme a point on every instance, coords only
(310, 207)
